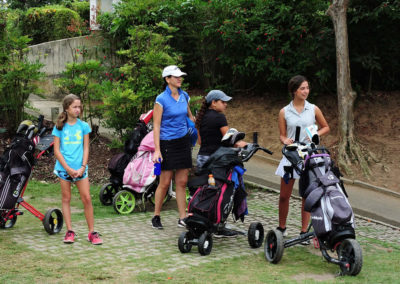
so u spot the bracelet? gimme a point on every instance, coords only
(83, 166)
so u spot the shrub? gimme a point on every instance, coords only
(17, 75)
(51, 23)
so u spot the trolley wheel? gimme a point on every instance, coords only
(273, 247)
(124, 202)
(107, 193)
(255, 235)
(9, 223)
(205, 243)
(183, 242)
(350, 252)
(53, 221)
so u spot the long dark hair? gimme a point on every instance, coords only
(295, 82)
(63, 116)
(201, 112)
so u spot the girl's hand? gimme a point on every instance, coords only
(81, 171)
(288, 141)
(72, 173)
(157, 156)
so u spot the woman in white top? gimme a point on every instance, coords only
(299, 112)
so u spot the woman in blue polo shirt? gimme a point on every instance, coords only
(172, 142)
(299, 112)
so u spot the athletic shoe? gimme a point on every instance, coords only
(69, 237)
(94, 238)
(226, 233)
(156, 222)
(181, 223)
(306, 242)
(283, 231)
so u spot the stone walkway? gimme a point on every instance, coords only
(131, 238)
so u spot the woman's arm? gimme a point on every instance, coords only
(157, 115)
(323, 125)
(282, 128)
(189, 113)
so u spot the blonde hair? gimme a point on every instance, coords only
(63, 116)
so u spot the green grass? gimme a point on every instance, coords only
(20, 263)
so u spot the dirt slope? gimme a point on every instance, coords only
(377, 121)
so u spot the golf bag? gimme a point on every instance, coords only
(120, 161)
(228, 195)
(325, 196)
(15, 169)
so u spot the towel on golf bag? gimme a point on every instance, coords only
(140, 171)
(15, 169)
(324, 197)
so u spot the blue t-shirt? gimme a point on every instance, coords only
(173, 120)
(71, 143)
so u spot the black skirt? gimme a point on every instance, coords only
(176, 153)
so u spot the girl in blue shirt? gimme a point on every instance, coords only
(71, 148)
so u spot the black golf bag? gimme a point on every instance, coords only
(119, 162)
(326, 199)
(215, 203)
(15, 169)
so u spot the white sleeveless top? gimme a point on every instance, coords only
(304, 119)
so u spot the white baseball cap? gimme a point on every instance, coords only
(172, 70)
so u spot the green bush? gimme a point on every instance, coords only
(133, 94)
(17, 75)
(83, 9)
(51, 23)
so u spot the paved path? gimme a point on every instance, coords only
(372, 202)
(131, 239)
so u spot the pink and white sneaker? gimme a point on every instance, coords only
(94, 238)
(69, 237)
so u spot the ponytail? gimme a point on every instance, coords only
(61, 120)
(201, 113)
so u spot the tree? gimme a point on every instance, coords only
(17, 75)
(349, 148)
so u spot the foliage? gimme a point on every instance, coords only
(81, 7)
(26, 4)
(84, 79)
(148, 53)
(17, 75)
(258, 45)
(51, 23)
(375, 60)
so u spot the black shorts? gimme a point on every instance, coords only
(176, 153)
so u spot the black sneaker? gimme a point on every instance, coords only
(226, 233)
(156, 222)
(306, 242)
(283, 231)
(181, 223)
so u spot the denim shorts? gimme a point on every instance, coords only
(65, 176)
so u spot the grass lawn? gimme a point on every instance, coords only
(29, 255)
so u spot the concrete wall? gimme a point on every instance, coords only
(56, 54)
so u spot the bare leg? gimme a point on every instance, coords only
(66, 202)
(181, 177)
(305, 217)
(84, 191)
(161, 191)
(284, 196)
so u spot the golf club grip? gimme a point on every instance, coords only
(40, 121)
(297, 137)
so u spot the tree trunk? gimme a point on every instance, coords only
(349, 148)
